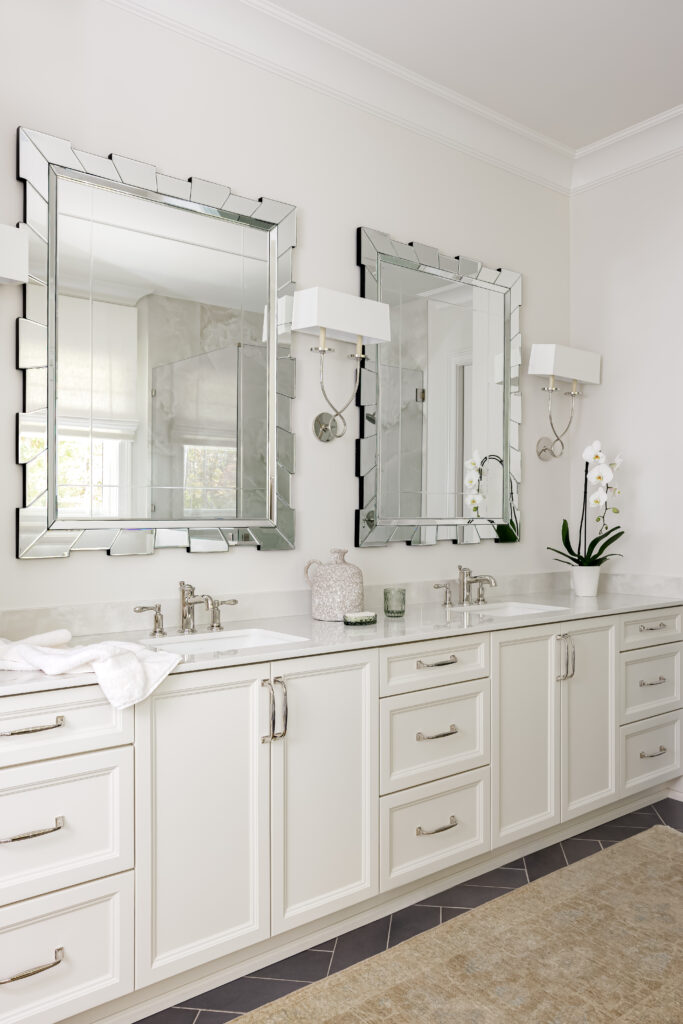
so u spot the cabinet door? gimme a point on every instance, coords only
(324, 786)
(202, 807)
(589, 718)
(525, 732)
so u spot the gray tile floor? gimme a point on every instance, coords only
(230, 1001)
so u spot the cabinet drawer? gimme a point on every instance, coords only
(650, 682)
(86, 932)
(434, 733)
(650, 752)
(408, 667)
(64, 822)
(647, 629)
(34, 726)
(431, 827)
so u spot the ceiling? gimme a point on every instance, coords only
(574, 72)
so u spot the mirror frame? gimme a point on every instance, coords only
(373, 249)
(40, 534)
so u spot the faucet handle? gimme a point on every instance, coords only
(446, 587)
(158, 629)
(215, 607)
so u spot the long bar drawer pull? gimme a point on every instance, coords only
(58, 723)
(452, 729)
(662, 750)
(59, 956)
(59, 823)
(271, 712)
(437, 664)
(655, 682)
(652, 629)
(419, 831)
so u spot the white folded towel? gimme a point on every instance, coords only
(127, 673)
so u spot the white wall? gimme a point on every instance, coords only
(626, 274)
(109, 81)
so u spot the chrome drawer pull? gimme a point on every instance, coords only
(59, 956)
(59, 823)
(656, 682)
(662, 750)
(58, 723)
(437, 664)
(437, 735)
(419, 831)
(652, 629)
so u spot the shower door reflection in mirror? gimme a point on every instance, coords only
(439, 454)
(161, 368)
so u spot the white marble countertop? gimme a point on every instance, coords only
(421, 622)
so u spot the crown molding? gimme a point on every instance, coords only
(262, 34)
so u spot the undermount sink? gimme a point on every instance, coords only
(220, 642)
(507, 608)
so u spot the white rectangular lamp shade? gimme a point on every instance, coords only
(565, 363)
(344, 317)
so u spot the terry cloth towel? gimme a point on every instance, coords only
(127, 673)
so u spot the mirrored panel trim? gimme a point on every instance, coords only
(459, 319)
(75, 203)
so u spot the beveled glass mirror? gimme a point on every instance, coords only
(156, 351)
(440, 408)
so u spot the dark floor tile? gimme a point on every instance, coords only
(671, 812)
(242, 995)
(466, 896)
(544, 861)
(502, 878)
(516, 864)
(644, 818)
(612, 833)
(360, 944)
(311, 965)
(174, 1015)
(449, 912)
(214, 1017)
(327, 947)
(577, 849)
(411, 921)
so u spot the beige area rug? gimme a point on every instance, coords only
(601, 940)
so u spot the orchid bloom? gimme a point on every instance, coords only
(601, 474)
(594, 454)
(474, 462)
(598, 498)
(472, 500)
(471, 480)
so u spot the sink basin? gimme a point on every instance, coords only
(508, 608)
(233, 641)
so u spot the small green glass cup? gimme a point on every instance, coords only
(394, 602)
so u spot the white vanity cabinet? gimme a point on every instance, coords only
(202, 819)
(324, 786)
(553, 725)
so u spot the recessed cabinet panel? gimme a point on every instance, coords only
(650, 682)
(647, 629)
(76, 817)
(525, 732)
(84, 933)
(650, 752)
(433, 733)
(589, 754)
(418, 666)
(202, 809)
(427, 828)
(325, 786)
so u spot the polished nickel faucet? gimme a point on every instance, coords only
(187, 606)
(465, 583)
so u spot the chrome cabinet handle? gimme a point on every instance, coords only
(437, 664)
(572, 652)
(655, 682)
(419, 831)
(652, 629)
(662, 750)
(564, 650)
(59, 823)
(271, 711)
(59, 956)
(58, 723)
(452, 730)
(285, 709)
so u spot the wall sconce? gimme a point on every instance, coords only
(338, 317)
(559, 362)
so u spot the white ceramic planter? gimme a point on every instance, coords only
(585, 580)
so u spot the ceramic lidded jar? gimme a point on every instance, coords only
(337, 587)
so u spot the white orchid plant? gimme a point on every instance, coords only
(600, 473)
(472, 482)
